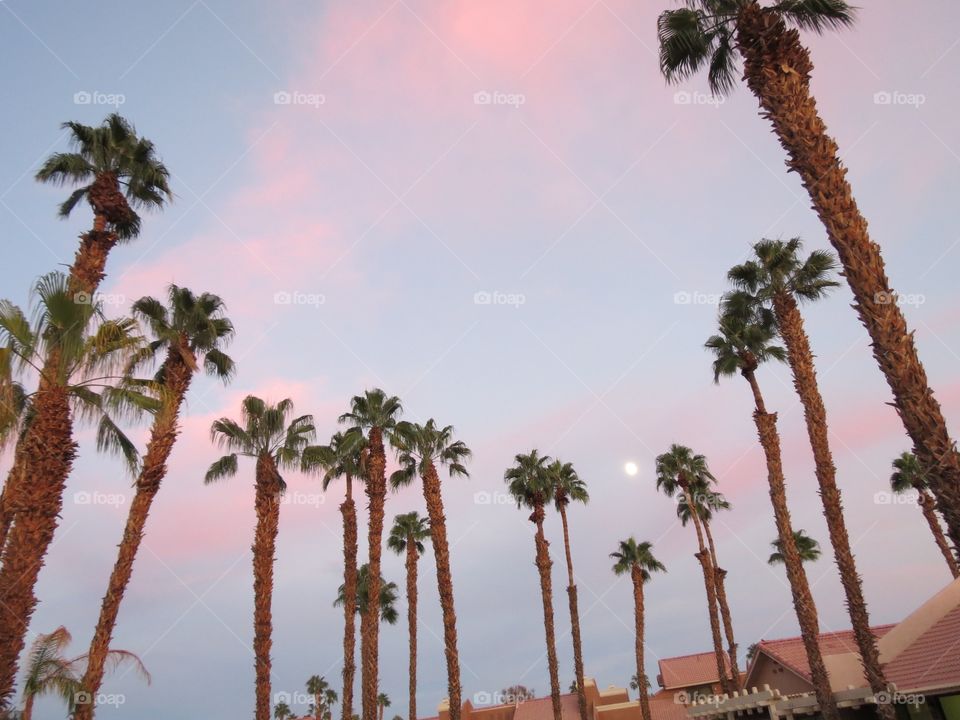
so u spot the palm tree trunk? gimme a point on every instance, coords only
(927, 506)
(721, 575)
(800, 358)
(777, 68)
(264, 551)
(546, 590)
(574, 618)
(27, 713)
(370, 622)
(412, 621)
(8, 499)
(441, 552)
(638, 615)
(349, 511)
(803, 602)
(163, 435)
(48, 450)
(710, 584)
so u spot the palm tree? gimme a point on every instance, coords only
(344, 457)
(567, 488)
(48, 671)
(376, 413)
(745, 340)
(388, 597)
(777, 69)
(191, 329)
(909, 475)
(323, 696)
(637, 560)
(680, 470)
(807, 548)
(282, 711)
(268, 435)
(708, 502)
(83, 382)
(635, 682)
(422, 448)
(780, 278)
(383, 702)
(406, 538)
(529, 483)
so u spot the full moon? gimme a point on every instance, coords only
(631, 469)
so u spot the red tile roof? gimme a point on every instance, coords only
(542, 709)
(690, 670)
(790, 652)
(932, 660)
(663, 706)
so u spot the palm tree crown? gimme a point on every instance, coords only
(631, 554)
(344, 456)
(808, 548)
(388, 596)
(745, 338)
(528, 480)
(373, 409)
(681, 465)
(567, 485)
(420, 446)
(908, 474)
(779, 268)
(408, 527)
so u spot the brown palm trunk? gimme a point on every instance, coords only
(370, 622)
(803, 602)
(349, 510)
(637, 576)
(8, 499)
(721, 575)
(800, 358)
(544, 563)
(48, 450)
(777, 68)
(441, 552)
(710, 584)
(27, 713)
(264, 551)
(574, 617)
(412, 556)
(927, 506)
(163, 435)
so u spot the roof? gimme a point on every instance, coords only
(664, 706)
(542, 708)
(689, 670)
(791, 653)
(932, 660)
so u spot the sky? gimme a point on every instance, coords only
(499, 212)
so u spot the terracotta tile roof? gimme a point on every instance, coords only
(932, 660)
(542, 709)
(690, 670)
(663, 706)
(790, 652)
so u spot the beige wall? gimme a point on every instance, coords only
(767, 671)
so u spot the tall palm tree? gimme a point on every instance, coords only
(422, 449)
(779, 277)
(376, 413)
(406, 538)
(529, 483)
(909, 475)
(637, 560)
(189, 330)
(807, 548)
(267, 434)
(569, 487)
(745, 340)
(323, 696)
(388, 597)
(383, 702)
(49, 671)
(344, 457)
(680, 470)
(708, 502)
(85, 383)
(777, 69)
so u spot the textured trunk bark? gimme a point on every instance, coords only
(546, 590)
(721, 576)
(370, 622)
(441, 552)
(264, 551)
(48, 451)
(163, 435)
(927, 504)
(800, 358)
(412, 621)
(574, 617)
(803, 602)
(349, 511)
(777, 68)
(27, 708)
(638, 612)
(8, 500)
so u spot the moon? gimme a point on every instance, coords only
(631, 468)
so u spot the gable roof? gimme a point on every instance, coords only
(689, 670)
(791, 653)
(932, 660)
